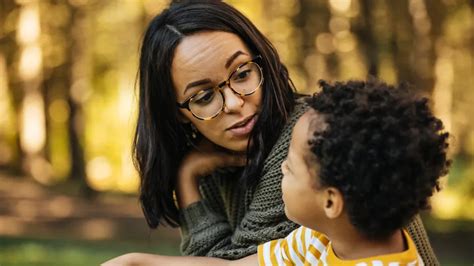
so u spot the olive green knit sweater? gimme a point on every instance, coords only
(230, 223)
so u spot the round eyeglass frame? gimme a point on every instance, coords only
(222, 85)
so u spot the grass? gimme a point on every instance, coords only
(51, 252)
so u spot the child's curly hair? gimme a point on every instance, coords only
(383, 149)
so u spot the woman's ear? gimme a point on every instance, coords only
(182, 118)
(333, 202)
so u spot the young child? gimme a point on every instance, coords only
(362, 162)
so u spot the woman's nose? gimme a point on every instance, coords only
(233, 102)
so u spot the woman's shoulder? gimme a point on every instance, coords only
(280, 148)
(299, 109)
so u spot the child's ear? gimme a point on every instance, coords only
(334, 202)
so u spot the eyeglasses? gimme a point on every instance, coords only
(208, 103)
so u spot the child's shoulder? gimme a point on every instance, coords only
(313, 241)
(409, 256)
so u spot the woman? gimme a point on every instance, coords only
(216, 109)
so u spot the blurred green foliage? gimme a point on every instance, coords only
(60, 252)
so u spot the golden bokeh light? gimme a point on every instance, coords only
(99, 173)
(40, 169)
(341, 6)
(97, 229)
(345, 41)
(66, 63)
(4, 94)
(325, 43)
(128, 181)
(80, 90)
(339, 24)
(33, 135)
(446, 204)
(28, 23)
(442, 96)
(30, 62)
(59, 111)
(60, 207)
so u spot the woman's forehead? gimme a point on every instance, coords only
(206, 56)
(206, 48)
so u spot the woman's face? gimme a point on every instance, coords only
(202, 61)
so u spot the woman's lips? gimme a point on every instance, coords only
(245, 129)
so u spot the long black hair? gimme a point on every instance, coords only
(160, 139)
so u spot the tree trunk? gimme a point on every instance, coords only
(311, 20)
(30, 71)
(79, 80)
(10, 50)
(401, 40)
(365, 36)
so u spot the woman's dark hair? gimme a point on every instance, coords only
(160, 139)
(383, 149)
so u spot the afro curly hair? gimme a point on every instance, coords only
(383, 149)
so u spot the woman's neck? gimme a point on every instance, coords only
(353, 245)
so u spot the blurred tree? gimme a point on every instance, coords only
(63, 76)
(32, 112)
(78, 64)
(429, 19)
(401, 42)
(9, 51)
(363, 28)
(312, 20)
(70, 67)
(415, 27)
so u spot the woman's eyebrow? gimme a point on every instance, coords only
(196, 83)
(233, 57)
(229, 62)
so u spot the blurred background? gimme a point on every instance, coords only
(68, 188)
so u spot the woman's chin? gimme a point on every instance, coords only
(237, 146)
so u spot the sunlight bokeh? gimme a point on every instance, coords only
(72, 82)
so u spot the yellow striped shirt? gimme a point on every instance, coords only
(304, 246)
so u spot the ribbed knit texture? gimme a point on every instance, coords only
(419, 236)
(230, 223)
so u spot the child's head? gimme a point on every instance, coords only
(366, 152)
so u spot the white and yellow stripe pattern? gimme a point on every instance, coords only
(304, 246)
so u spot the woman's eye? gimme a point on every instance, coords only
(242, 75)
(205, 97)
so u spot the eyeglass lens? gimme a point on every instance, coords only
(245, 81)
